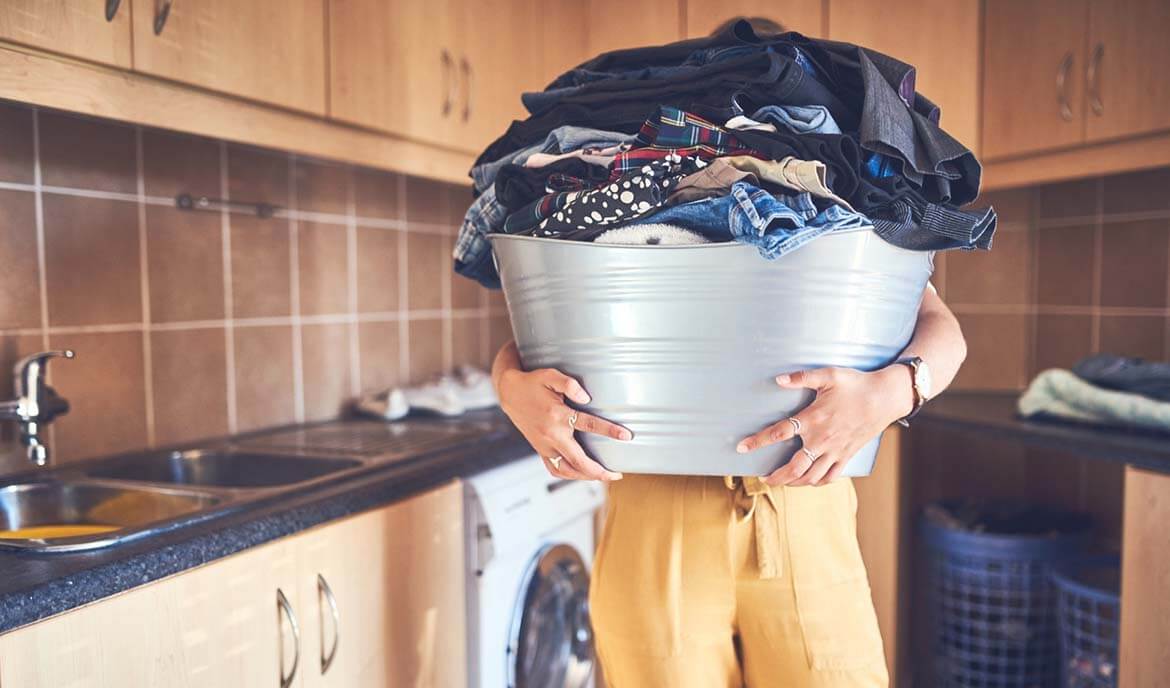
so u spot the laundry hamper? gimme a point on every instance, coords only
(681, 344)
(991, 601)
(1089, 608)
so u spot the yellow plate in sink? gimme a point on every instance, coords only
(56, 532)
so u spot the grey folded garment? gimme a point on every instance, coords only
(651, 235)
(1147, 378)
(1061, 394)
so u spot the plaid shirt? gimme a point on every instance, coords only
(671, 131)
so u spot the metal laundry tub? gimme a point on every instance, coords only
(681, 344)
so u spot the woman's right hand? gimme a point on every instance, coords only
(535, 401)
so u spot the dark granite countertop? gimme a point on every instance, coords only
(34, 586)
(994, 414)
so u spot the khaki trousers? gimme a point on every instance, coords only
(725, 582)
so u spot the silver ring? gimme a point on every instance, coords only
(807, 452)
(556, 461)
(573, 420)
(795, 425)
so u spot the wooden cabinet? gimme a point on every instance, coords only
(942, 42)
(1127, 86)
(394, 574)
(89, 30)
(1033, 92)
(1145, 580)
(615, 24)
(805, 16)
(214, 626)
(273, 52)
(395, 577)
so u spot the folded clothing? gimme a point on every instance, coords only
(446, 395)
(1147, 378)
(1062, 394)
(653, 234)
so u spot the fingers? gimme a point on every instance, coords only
(817, 378)
(780, 431)
(576, 457)
(563, 384)
(817, 471)
(562, 469)
(796, 467)
(599, 426)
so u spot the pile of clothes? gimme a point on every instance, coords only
(769, 140)
(1103, 390)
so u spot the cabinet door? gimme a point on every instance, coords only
(805, 16)
(942, 43)
(614, 24)
(499, 59)
(73, 27)
(215, 626)
(396, 577)
(394, 66)
(1031, 47)
(1127, 85)
(265, 50)
(1145, 579)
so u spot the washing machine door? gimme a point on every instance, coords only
(550, 644)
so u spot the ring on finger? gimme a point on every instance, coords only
(573, 420)
(556, 461)
(795, 425)
(809, 453)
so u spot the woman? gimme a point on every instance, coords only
(713, 582)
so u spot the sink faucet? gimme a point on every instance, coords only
(36, 403)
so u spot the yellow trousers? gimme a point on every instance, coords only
(724, 582)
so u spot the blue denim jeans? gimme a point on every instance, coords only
(774, 224)
(801, 119)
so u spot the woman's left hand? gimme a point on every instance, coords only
(850, 409)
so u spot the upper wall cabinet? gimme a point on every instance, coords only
(615, 24)
(1059, 73)
(805, 16)
(89, 30)
(942, 41)
(449, 73)
(265, 50)
(1127, 83)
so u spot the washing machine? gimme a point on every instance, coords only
(529, 552)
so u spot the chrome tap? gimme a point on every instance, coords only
(36, 403)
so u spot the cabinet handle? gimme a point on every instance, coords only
(448, 81)
(1066, 66)
(1093, 78)
(465, 66)
(324, 589)
(282, 605)
(162, 10)
(112, 9)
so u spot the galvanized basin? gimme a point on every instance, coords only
(681, 343)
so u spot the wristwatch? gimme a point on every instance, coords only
(920, 377)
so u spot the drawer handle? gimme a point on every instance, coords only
(1093, 77)
(282, 605)
(448, 81)
(112, 9)
(1066, 66)
(465, 66)
(162, 10)
(324, 589)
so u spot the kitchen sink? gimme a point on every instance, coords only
(62, 516)
(229, 469)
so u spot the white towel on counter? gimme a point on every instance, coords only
(1062, 394)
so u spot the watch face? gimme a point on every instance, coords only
(922, 378)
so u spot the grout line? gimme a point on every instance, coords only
(403, 286)
(229, 333)
(1033, 285)
(294, 251)
(1035, 309)
(1098, 261)
(355, 354)
(144, 283)
(42, 278)
(447, 327)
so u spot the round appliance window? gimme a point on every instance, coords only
(551, 642)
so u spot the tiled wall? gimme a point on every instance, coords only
(1076, 268)
(192, 324)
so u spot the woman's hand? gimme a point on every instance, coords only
(850, 409)
(535, 401)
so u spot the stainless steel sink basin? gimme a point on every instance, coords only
(59, 516)
(228, 469)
